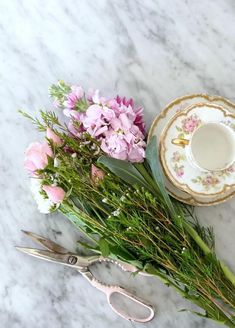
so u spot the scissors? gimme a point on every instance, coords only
(59, 254)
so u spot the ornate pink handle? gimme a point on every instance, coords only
(122, 291)
(111, 290)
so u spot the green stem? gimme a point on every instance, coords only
(147, 177)
(227, 272)
(223, 319)
(67, 211)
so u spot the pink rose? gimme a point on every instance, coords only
(96, 174)
(36, 157)
(54, 193)
(52, 136)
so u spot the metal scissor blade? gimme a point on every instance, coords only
(45, 255)
(47, 243)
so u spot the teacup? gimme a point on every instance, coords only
(204, 164)
(211, 147)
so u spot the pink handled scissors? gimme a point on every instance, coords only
(59, 254)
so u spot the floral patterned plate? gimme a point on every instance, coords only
(176, 161)
(160, 123)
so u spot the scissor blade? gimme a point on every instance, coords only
(44, 255)
(47, 243)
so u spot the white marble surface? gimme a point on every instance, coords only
(151, 50)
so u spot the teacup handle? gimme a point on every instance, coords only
(180, 142)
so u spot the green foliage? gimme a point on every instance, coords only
(59, 91)
(124, 170)
(152, 157)
(104, 247)
(129, 216)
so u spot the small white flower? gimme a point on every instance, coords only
(74, 155)
(44, 204)
(105, 200)
(123, 198)
(117, 212)
(56, 162)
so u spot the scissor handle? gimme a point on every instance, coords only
(110, 290)
(134, 298)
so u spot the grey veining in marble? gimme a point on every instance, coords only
(153, 51)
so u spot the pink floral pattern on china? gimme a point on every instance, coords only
(177, 160)
(188, 125)
(200, 182)
(208, 180)
(211, 180)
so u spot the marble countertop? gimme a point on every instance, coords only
(153, 51)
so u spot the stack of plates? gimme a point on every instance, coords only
(196, 135)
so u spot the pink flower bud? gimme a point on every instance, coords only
(36, 156)
(52, 136)
(96, 174)
(54, 193)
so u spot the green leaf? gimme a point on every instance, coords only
(178, 128)
(120, 254)
(149, 268)
(104, 247)
(88, 246)
(124, 170)
(195, 312)
(181, 136)
(152, 157)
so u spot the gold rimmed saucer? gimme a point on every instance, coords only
(160, 123)
(176, 164)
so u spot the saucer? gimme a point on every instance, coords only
(157, 128)
(176, 161)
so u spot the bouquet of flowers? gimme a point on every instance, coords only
(97, 169)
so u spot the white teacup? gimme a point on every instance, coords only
(211, 147)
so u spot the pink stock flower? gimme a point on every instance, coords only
(115, 122)
(124, 101)
(73, 97)
(115, 146)
(124, 147)
(54, 193)
(96, 174)
(95, 98)
(97, 119)
(36, 157)
(52, 136)
(139, 121)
